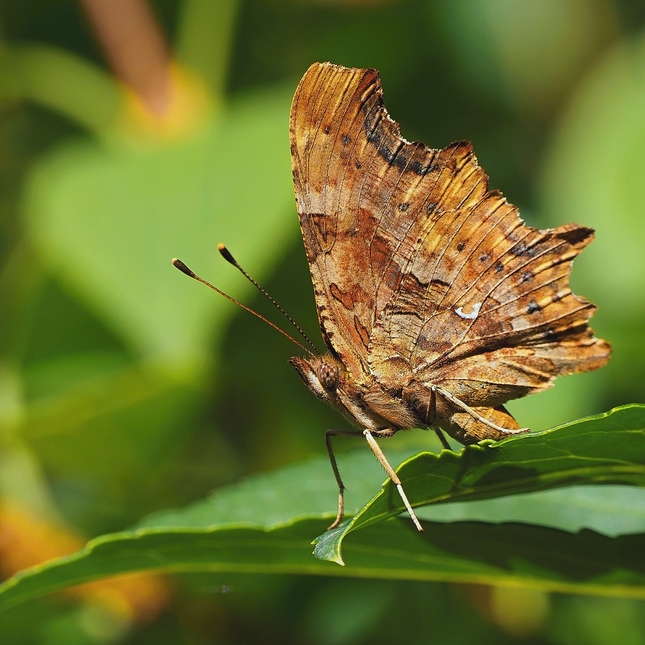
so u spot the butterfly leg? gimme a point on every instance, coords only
(460, 404)
(332, 458)
(442, 438)
(378, 453)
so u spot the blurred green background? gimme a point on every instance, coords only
(131, 133)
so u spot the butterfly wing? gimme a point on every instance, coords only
(347, 182)
(421, 274)
(482, 303)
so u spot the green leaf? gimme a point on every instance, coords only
(62, 82)
(610, 510)
(606, 449)
(300, 491)
(586, 562)
(266, 523)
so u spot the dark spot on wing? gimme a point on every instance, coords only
(362, 332)
(527, 276)
(345, 139)
(383, 134)
(395, 392)
(499, 267)
(522, 249)
(358, 164)
(403, 206)
(406, 312)
(430, 207)
(316, 221)
(461, 246)
(533, 307)
(556, 297)
(436, 282)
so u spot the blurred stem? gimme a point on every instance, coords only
(204, 42)
(135, 48)
(62, 82)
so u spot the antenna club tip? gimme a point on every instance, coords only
(177, 263)
(226, 254)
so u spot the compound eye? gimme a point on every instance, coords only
(328, 376)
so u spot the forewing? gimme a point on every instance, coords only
(357, 185)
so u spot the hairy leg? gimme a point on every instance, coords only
(334, 466)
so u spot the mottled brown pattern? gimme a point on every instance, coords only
(437, 302)
(422, 275)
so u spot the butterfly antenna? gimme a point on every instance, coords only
(184, 269)
(226, 254)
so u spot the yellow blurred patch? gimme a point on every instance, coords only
(189, 107)
(27, 541)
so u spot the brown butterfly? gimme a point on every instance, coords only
(437, 303)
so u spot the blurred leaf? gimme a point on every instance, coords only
(606, 449)
(594, 174)
(61, 81)
(597, 621)
(101, 427)
(108, 221)
(109, 441)
(114, 421)
(525, 54)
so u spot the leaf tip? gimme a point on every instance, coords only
(328, 545)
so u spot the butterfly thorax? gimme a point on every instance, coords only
(411, 404)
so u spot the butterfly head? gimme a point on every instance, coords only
(327, 378)
(321, 374)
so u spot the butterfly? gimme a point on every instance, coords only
(436, 302)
